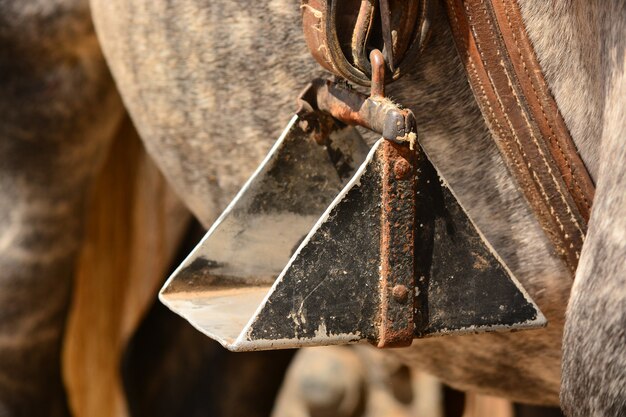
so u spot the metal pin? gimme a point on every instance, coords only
(378, 74)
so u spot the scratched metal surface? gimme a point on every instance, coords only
(223, 281)
(462, 285)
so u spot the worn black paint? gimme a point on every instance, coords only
(335, 279)
(461, 283)
(295, 183)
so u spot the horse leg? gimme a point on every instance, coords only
(58, 110)
(594, 362)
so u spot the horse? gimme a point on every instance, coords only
(209, 86)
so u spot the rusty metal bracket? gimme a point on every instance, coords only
(397, 245)
(376, 112)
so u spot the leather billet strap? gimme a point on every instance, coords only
(523, 117)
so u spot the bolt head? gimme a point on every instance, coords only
(400, 293)
(402, 169)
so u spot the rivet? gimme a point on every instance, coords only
(400, 293)
(401, 169)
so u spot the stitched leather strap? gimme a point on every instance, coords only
(523, 117)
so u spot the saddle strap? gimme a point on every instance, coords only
(523, 118)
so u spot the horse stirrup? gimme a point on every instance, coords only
(330, 242)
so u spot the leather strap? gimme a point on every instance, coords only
(341, 33)
(523, 117)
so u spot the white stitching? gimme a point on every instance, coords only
(484, 94)
(547, 200)
(495, 120)
(532, 85)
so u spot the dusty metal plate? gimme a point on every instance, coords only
(329, 291)
(462, 284)
(222, 282)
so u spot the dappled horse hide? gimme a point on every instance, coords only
(209, 85)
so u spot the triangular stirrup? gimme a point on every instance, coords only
(313, 251)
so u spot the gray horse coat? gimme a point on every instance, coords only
(209, 85)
